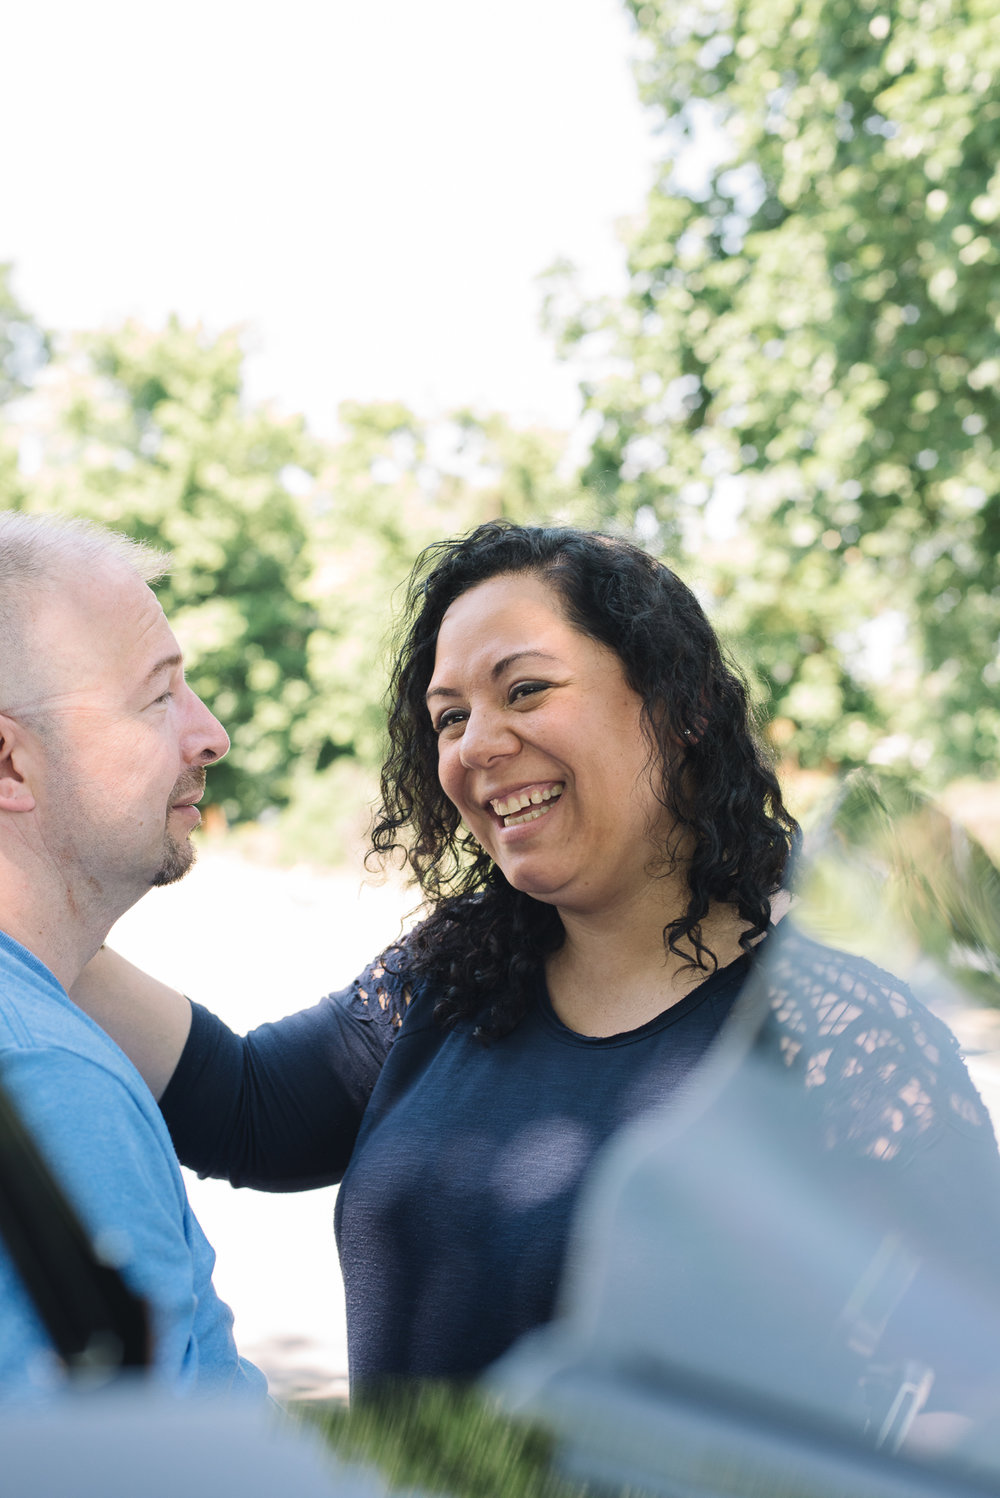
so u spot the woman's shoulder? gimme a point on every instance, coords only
(381, 993)
(886, 1071)
(825, 992)
(387, 988)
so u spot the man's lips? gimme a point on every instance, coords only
(187, 794)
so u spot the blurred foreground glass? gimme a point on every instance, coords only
(141, 1439)
(788, 1281)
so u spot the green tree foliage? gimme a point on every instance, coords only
(392, 484)
(24, 349)
(811, 340)
(287, 551)
(148, 433)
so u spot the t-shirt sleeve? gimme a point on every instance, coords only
(279, 1109)
(118, 1172)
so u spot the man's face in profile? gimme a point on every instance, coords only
(124, 739)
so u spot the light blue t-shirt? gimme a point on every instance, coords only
(99, 1128)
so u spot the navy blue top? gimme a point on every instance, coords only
(460, 1162)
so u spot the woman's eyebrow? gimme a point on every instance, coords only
(519, 655)
(497, 670)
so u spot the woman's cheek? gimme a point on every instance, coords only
(449, 766)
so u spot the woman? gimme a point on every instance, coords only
(574, 779)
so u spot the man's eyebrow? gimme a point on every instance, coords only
(168, 663)
(497, 670)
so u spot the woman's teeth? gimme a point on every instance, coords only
(528, 816)
(527, 806)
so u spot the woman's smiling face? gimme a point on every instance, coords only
(541, 746)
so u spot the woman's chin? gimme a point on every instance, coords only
(538, 884)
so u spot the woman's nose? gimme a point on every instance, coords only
(487, 736)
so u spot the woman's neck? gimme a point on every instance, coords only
(613, 972)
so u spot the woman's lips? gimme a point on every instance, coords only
(527, 805)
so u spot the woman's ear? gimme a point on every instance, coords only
(695, 731)
(15, 791)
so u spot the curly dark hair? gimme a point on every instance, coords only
(484, 941)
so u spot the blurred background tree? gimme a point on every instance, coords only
(393, 484)
(287, 551)
(796, 402)
(24, 351)
(147, 432)
(800, 390)
(24, 346)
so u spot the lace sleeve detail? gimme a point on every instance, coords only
(885, 1073)
(382, 993)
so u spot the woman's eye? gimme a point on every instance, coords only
(526, 689)
(449, 719)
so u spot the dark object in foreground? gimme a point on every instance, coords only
(97, 1325)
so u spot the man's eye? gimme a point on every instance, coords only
(164, 698)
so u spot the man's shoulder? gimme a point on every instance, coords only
(78, 1092)
(28, 993)
(107, 1145)
(37, 1014)
(98, 1127)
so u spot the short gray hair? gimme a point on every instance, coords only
(36, 551)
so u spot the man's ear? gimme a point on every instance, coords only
(15, 791)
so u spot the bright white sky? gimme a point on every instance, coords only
(371, 189)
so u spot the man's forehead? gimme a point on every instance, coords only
(103, 631)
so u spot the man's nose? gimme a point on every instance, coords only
(207, 738)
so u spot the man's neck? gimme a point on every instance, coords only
(53, 931)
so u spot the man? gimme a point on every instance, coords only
(103, 750)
